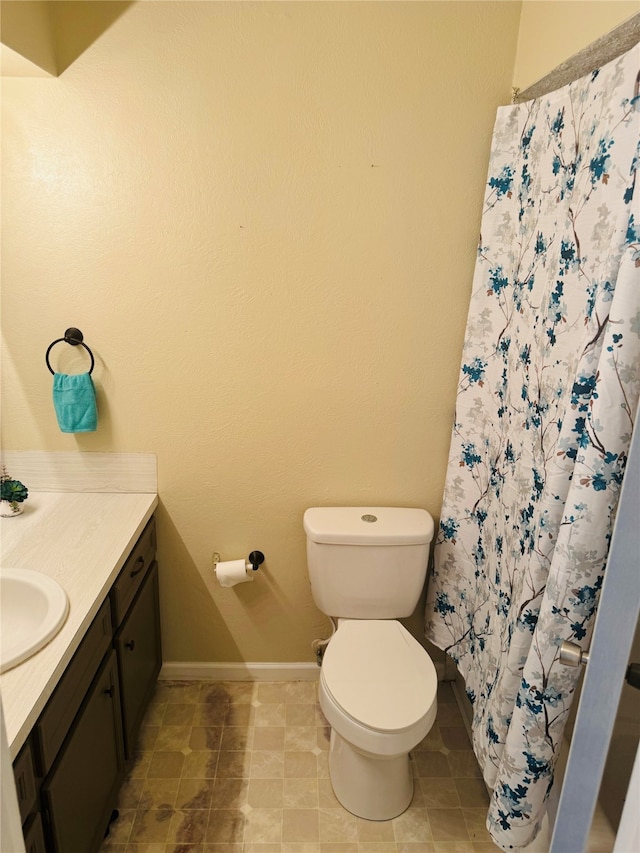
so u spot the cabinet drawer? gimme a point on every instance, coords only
(56, 719)
(24, 775)
(133, 573)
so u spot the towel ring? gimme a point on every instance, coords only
(74, 337)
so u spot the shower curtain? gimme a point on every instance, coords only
(547, 394)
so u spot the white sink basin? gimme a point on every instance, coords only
(33, 608)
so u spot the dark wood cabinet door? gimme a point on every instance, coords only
(137, 643)
(34, 836)
(61, 710)
(79, 794)
(25, 779)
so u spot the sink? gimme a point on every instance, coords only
(33, 608)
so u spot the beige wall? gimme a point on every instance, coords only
(264, 218)
(27, 45)
(551, 31)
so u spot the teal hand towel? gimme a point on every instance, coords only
(74, 399)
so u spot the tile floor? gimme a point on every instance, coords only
(242, 767)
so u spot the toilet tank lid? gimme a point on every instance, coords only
(366, 525)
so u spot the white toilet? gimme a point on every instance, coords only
(378, 685)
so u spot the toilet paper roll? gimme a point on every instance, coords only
(232, 572)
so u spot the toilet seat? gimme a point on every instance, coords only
(379, 685)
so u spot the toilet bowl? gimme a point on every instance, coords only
(367, 567)
(377, 690)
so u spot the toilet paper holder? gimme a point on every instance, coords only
(252, 562)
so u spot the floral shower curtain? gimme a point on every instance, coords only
(547, 395)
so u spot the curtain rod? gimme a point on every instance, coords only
(604, 49)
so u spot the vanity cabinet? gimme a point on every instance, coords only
(69, 770)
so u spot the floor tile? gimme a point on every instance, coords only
(158, 793)
(140, 764)
(225, 826)
(374, 830)
(130, 793)
(326, 798)
(455, 737)
(165, 765)
(412, 825)
(188, 826)
(269, 738)
(439, 792)
(242, 767)
(337, 825)
(431, 764)
(472, 792)
(267, 765)
(194, 794)
(302, 794)
(476, 820)
(300, 714)
(233, 764)
(229, 793)
(264, 825)
(233, 737)
(177, 692)
(302, 765)
(205, 714)
(273, 692)
(448, 825)
(178, 714)
(299, 738)
(300, 825)
(200, 764)
(151, 825)
(463, 764)
(270, 715)
(431, 741)
(265, 793)
(208, 737)
(300, 692)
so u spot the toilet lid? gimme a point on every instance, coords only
(379, 674)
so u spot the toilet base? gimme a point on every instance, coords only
(371, 787)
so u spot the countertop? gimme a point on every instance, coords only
(82, 540)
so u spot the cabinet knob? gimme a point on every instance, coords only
(109, 691)
(130, 645)
(140, 565)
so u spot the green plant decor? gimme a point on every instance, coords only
(12, 491)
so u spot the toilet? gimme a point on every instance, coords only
(377, 687)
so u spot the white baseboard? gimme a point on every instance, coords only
(213, 671)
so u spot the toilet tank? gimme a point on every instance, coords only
(367, 562)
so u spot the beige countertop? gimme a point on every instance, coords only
(81, 540)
